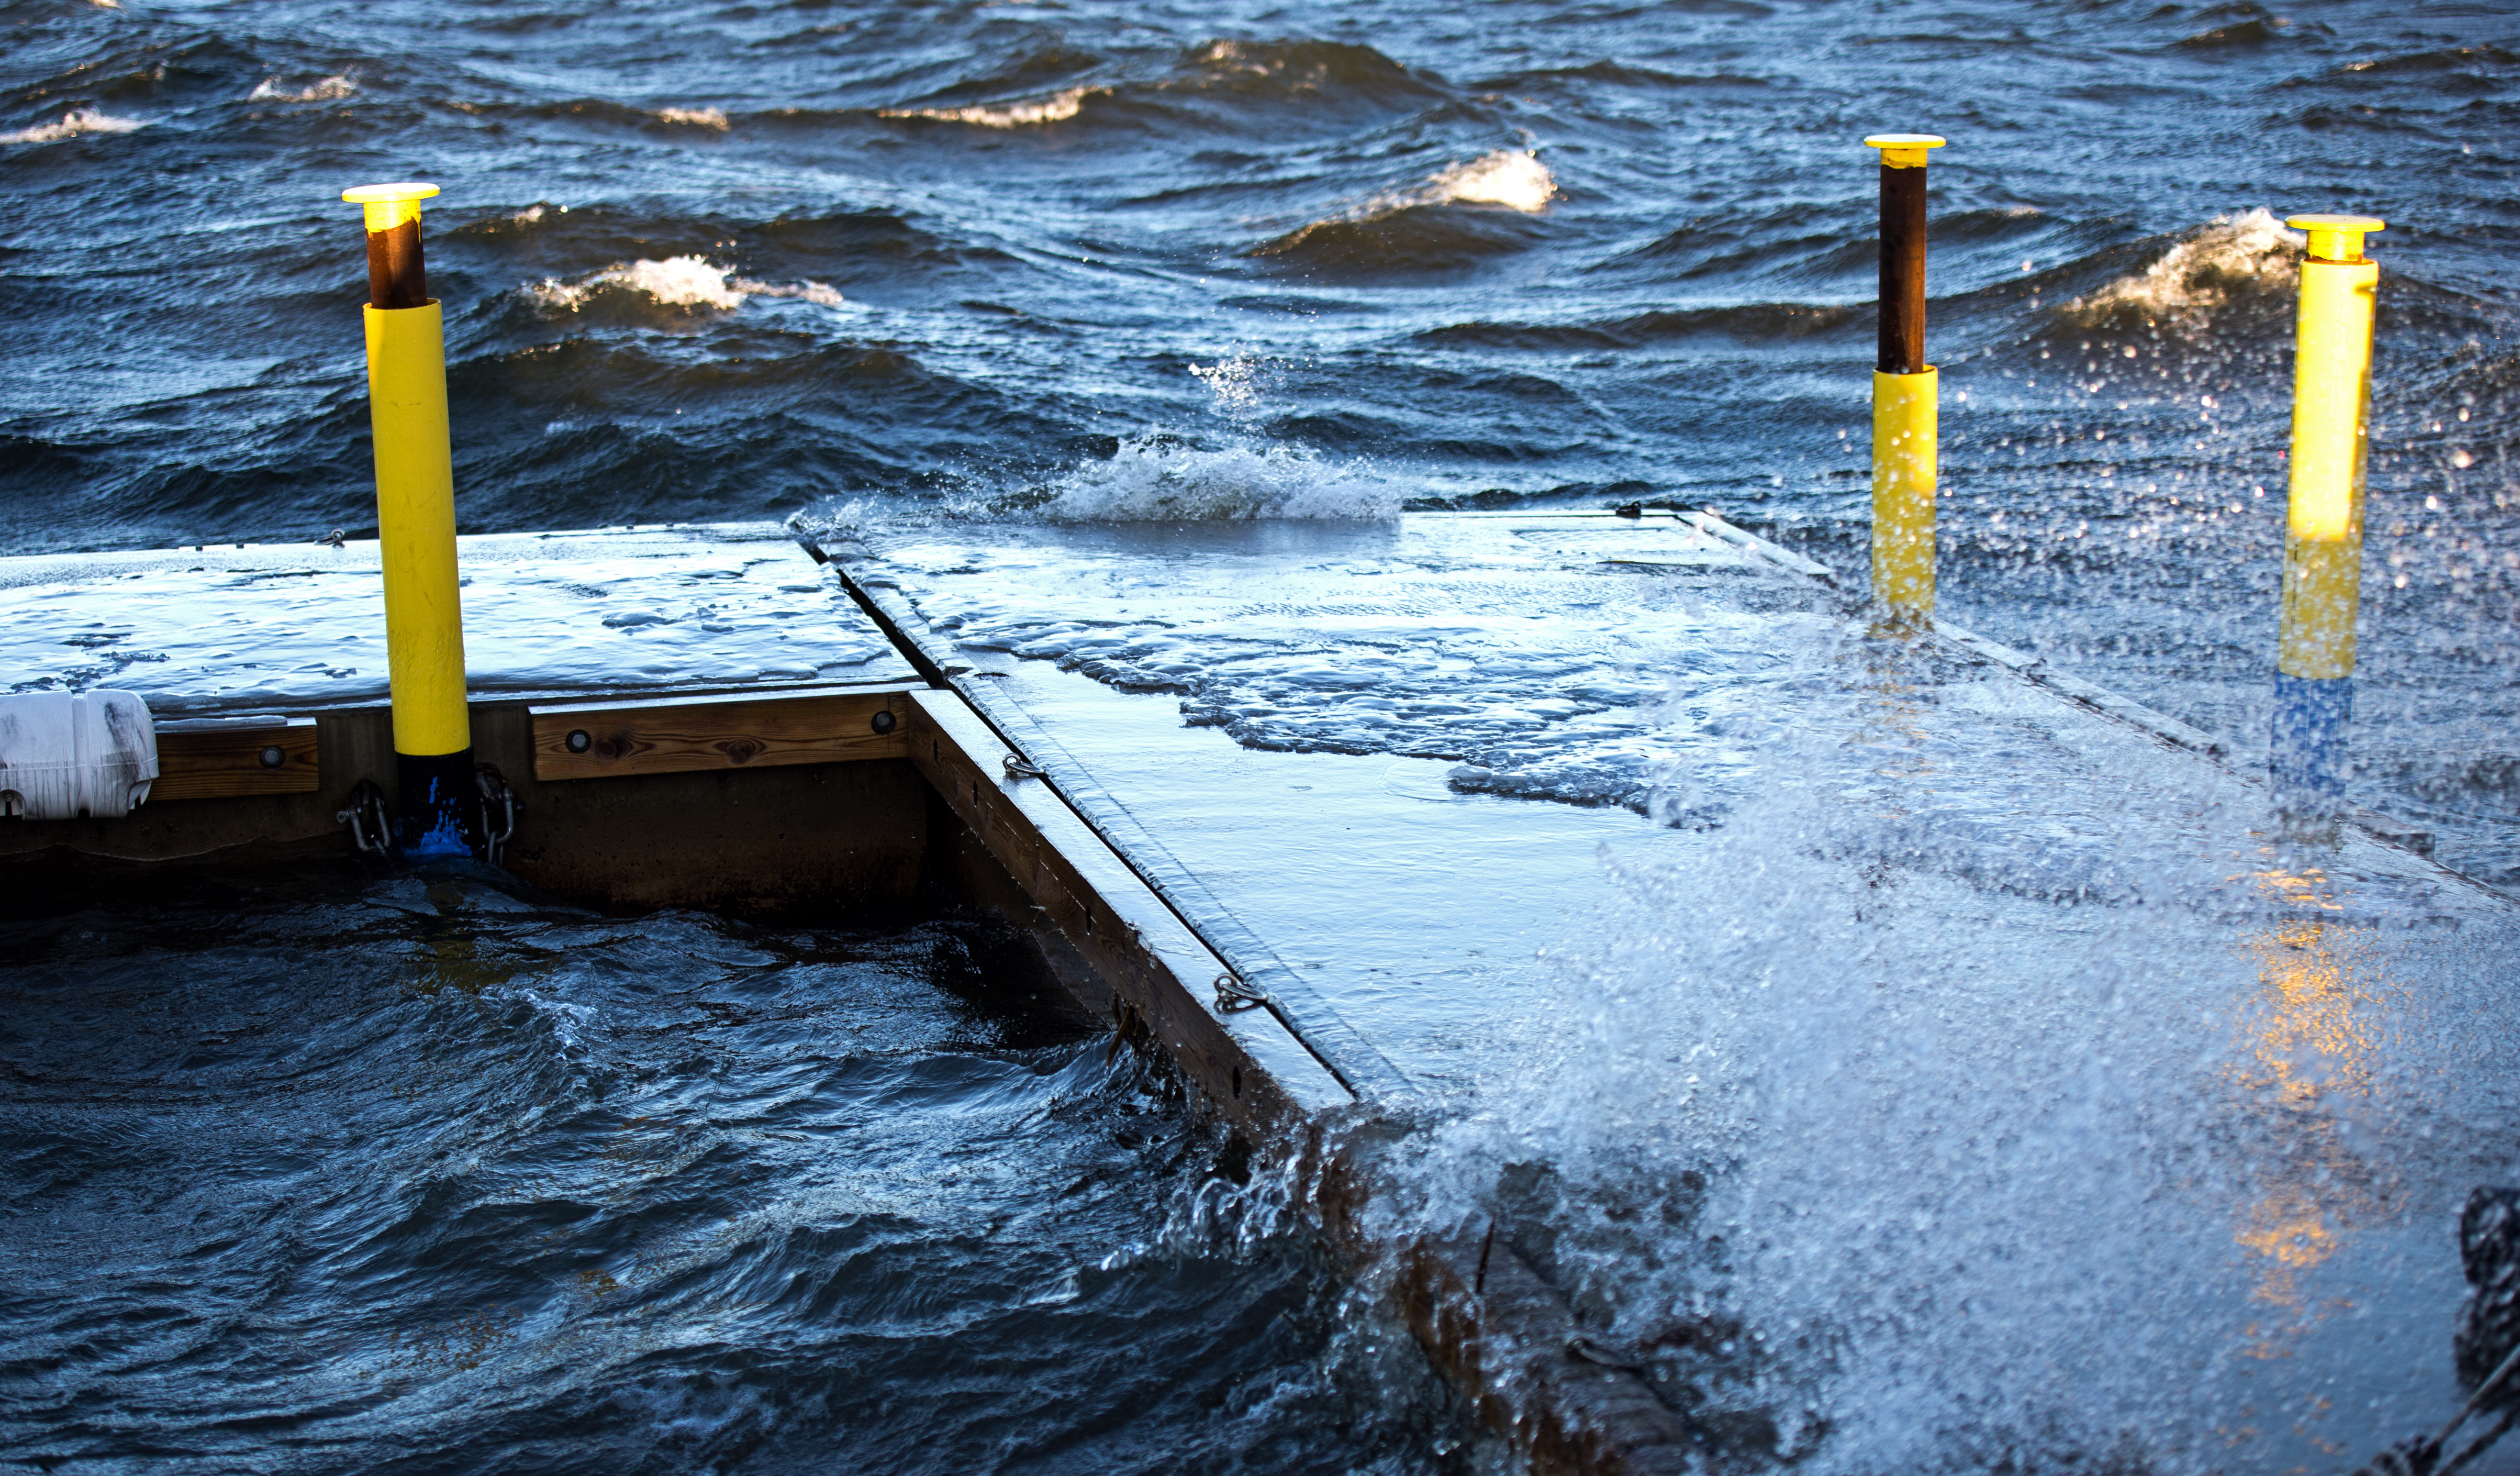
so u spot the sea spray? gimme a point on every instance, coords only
(1874, 1202)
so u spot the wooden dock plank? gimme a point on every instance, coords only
(682, 735)
(229, 760)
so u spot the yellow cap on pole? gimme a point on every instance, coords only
(1904, 150)
(2336, 238)
(389, 204)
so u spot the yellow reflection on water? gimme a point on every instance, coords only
(2309, 1048)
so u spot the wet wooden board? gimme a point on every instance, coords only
(229, 760)
(682, 735)
(1161, 974)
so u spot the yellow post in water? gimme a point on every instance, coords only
(433, 726)
(1906, 393)
(1906, 411)
(2323, 574)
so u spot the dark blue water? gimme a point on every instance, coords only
(734, 261)
(967, 252)
(322, 1173)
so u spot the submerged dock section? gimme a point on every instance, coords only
(1629, 953)
(1846, 977)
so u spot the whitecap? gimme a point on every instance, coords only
(822, 294)
(1057, 107)
(675, 282)
(329, 88)
(1515, 178)
(2230, 256)
(75, 122)
(698, 118)
(1151, 483)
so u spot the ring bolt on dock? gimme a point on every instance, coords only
(1906, 393)
(439, 809)
(2322, 566)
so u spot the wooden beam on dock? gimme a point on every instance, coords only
(233, 760)
(600, 740)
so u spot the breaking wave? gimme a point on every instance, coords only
(697, 117)
(1152, 481)
(1515, 178)
(1457, 217)
(2234, 257)
(675, 282)
(1057, 107)
(329, 88)
(75, 122)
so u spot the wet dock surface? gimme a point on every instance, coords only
(1869, 1038)
(288, 627)
(1874, 1047)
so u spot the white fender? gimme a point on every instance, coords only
(63, 755)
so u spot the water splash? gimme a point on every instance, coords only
(1151, 480)
(1235, 383)
(2249, 254)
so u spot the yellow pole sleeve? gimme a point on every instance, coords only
(416, 529)
(1905, 424)
(2331, 399)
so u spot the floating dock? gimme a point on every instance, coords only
(1373, 828)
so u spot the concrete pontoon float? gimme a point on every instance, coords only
(1294, 806)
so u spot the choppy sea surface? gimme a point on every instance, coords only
(1072, 262)
(479, 1182)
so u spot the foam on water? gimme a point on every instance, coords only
(1153, 480)
(697, 117)
(76, 121)
(1026, 112)
(675, 282)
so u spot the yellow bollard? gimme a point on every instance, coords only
(2323, 574)
(1906, 416)
(1906, 391)
(433, 729)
